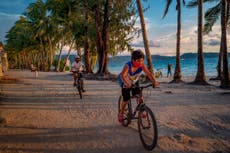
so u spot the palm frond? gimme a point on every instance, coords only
(211, 16)
(192, 4)
(167, 7)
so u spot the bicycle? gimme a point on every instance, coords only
(79, 83)
(147, 126)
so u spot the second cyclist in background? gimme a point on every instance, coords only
(77, 68)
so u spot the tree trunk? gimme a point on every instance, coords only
(225, 81)
(59, 57)
(177, 74)
(200, 76)
(68, 54)
(51, 53)
(220, 59)
(43, 54)
(219, 66)
(86, 44)
(99, 41)
(105, 34)
(144, 34)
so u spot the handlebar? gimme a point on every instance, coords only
(143, 86)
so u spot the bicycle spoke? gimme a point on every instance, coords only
(147, 128)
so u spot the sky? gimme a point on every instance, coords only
(161, 33)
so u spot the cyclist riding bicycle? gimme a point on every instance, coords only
(130, 75)
(77, 68)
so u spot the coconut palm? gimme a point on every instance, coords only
(145, 38)
(225, 81)
(177, 75)
(211, 17)
(200, 76)
(37, 14)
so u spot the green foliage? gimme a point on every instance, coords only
(62, 64)
(47, 25)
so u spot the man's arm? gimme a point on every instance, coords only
(151, 76)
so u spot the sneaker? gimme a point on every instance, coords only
(120, 118)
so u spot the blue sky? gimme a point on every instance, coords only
(161, 32)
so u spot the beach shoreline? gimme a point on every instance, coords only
(46, 115)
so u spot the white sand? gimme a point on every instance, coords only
(46, 115)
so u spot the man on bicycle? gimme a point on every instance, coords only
(130, 75)
(77, 68)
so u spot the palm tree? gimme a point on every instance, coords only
(38, 16)
(177, 75)
(211, 17)
(86, 42)
(225, 81)
(144, 34)
(200, 76)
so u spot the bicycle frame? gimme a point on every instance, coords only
(79, 83)
(140, 102)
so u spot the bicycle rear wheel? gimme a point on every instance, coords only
(127, 112)
(147, 128)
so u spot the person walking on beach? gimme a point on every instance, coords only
(169, 70)
(77, 68)
(130, 76)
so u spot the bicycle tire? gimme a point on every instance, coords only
(127, 112)
(147, 128)
(79, 88)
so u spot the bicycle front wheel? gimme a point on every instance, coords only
(79, 88)
(147, 128)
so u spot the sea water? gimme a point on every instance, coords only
(188, 63)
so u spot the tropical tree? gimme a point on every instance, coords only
(177, 74)
(47, 27)
(113, 24)
(200, 76)
(22, 46)
(65, 14)
(37, 14)
(145, 38)
(211, 17)
(225, 81)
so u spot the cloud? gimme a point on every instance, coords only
(212, 42)
(141, 44)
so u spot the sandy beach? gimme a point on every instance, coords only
(46, 115)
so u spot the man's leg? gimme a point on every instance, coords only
(82, 85)
(75, 79)
(126, 98)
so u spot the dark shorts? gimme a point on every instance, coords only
(126, 93)
(79, 74)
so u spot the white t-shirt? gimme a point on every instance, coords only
(79, 67)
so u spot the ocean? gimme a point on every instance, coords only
(188, 63)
